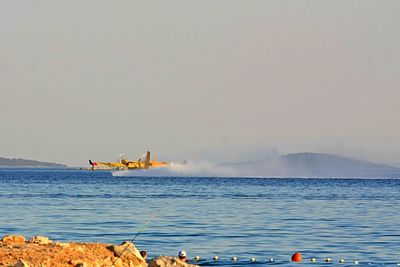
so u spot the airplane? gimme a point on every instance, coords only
(124, 164)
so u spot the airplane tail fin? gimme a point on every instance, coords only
(147, 161)
(92, 164)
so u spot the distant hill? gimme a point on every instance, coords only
(313, 165)
(24, 163)
(327, 165)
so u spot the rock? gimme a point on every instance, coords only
(13, 239)
(126, 247)
(42, 240)
(62, 244)
(167, 261)
(68, 255)
(127, 252)
(21, 263)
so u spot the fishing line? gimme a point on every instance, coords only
(144, 226)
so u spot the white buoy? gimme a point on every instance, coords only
(355, 262)
(341, 261)
(234, 258)
(313, 259)
(328, 260)
(253, 259)
(398, 264)
(271, 260)
(216, 258)
(197, 258)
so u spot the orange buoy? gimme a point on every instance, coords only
(296, 257)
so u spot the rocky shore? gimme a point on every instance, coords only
(39, 251)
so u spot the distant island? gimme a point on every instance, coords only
(311, 164)
(327, 165)
(25, 163)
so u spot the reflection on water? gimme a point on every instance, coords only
(353, 219)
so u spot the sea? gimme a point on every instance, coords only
(264, 219)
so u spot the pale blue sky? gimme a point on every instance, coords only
(93, 79)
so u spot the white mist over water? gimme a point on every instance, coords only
(194, 169)
(305, 165)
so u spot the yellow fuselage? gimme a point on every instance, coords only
(132, 165)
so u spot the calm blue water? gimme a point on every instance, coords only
(354, 219)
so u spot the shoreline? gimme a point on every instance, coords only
(40, 251)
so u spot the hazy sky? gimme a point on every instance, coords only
(93, 79)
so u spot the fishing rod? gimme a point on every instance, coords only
(144, 226)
